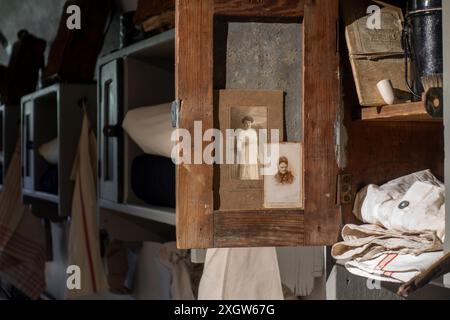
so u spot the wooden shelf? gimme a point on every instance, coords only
(41, 196)
(158, 214)
(411, 111)
(159, 46)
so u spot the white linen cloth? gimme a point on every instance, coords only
(241, 274)
(424, 195)
(405, 230)
(151, 129)
(368, 241)
(386, 255)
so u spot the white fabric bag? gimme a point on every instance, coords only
(414, 203)
(50, 151)
(241, 274)
(151, 129)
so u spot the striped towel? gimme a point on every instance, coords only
(386, 255)
(22, 237)
(84, 243)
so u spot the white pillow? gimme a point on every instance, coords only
(50, 151)
(151, 129)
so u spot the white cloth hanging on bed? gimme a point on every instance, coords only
(177, 261)
(299, 267)
(241, 274)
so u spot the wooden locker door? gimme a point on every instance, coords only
(198, 225)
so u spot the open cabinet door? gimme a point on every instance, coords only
(199, 223)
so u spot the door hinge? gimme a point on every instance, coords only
(345, 195)
(175, 113)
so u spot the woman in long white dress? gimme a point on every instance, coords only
(247, 151)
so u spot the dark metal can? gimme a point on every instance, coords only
(424, 36)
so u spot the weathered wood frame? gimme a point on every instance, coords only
(198, 226)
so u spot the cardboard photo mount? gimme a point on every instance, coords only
(235, 194)
(289, 196)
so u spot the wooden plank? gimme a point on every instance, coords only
(321, 104)
(260, 8)
(413, 111)
(438, 269)
(258, 229)
(194, 87)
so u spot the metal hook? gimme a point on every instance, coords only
(82, 102)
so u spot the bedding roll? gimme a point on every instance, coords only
(153, 180)
(50, 151)
(151, 129)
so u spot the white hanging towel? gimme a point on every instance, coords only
(299, 267)
(84, 243)
(177, 261)
(413, 203)
(152, 278)
(241, 274)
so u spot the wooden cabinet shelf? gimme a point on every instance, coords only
(158, 214)
(411, 111)
(41, 196)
